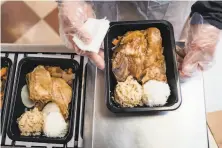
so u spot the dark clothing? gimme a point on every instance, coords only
(210, 10)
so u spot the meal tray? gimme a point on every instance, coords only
(120, 28)
(17, 108)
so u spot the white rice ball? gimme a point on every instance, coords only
(50, 107)
(156, 93)
(54, 125)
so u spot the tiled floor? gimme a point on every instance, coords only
(215, 125)
(29, 22)
(212, 142)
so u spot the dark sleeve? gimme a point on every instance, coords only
(210, 10)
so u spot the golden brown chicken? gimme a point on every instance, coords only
(140, 54)
(3, 73)
(43, 88)
(57, 72)
(61, 95)
(40, 85)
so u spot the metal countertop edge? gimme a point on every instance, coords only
(89, 110)
(35, 48)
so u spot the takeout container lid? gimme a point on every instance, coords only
(168, 42)
(17, 108)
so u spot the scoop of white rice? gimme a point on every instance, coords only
(156, 93)
(54, 125)
(50, 107)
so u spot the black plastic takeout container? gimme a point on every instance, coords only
(17, 108)
(5, 62)
(168, 42)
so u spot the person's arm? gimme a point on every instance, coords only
(210, 10)
(72, 16)
(203, 35)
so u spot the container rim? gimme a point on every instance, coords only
(116, 109)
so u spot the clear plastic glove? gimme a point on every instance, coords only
(200, 47)
(72, 16)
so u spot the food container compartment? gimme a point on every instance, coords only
(168, 42)
(17, 108)
(5, 62)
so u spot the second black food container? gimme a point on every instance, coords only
(5, 63)
(168, 42)
(17, 108)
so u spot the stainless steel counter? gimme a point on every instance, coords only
(183, 128)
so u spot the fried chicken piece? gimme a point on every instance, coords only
(128, 57)
(154, 73)
(154, 40)
(54, 71)
(138, 53)
(43, 88)
(57, 72)
(3, 71)
(120, 67)
(40, 85)
(62, 94)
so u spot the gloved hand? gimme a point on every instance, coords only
(72, 16)
(199, 49)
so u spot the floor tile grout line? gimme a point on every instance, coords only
(41, 17)
(212, 136)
